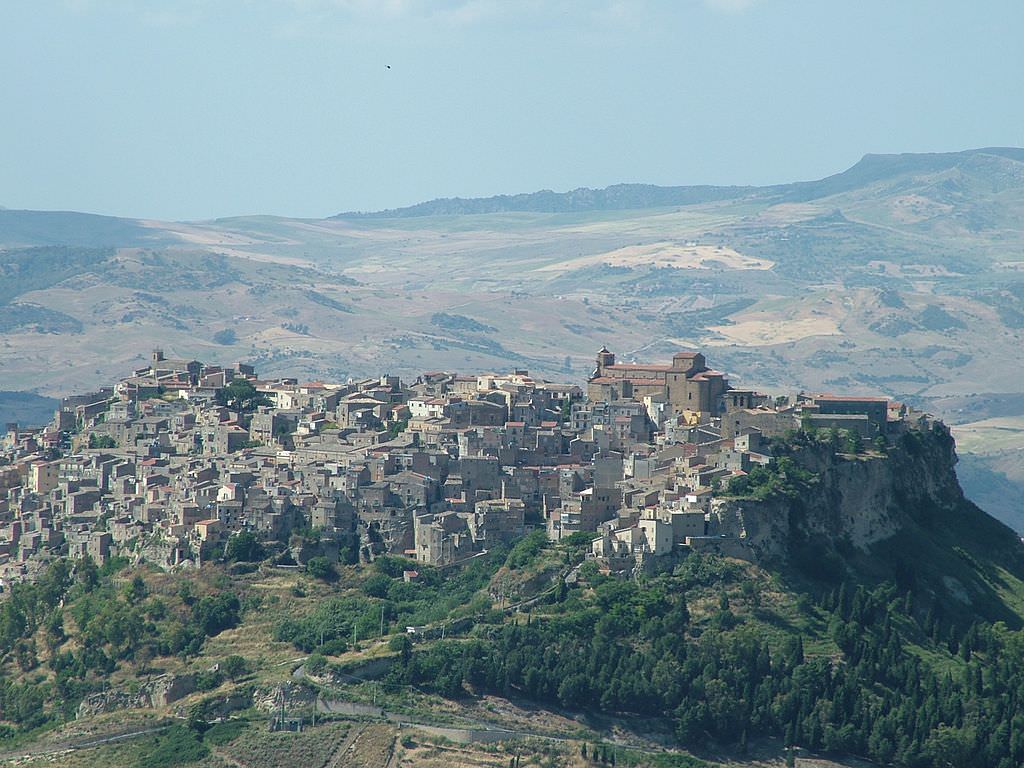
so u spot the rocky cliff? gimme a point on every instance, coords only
(848, 500)
(158, 692)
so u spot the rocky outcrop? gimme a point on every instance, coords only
(295, 696)
(305, 550)
(856, 500)
(158, 692)
(110, 701)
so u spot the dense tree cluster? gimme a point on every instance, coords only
(241, 396)
(435, 597)
(915, 692)
(108, 626)
(244, 546)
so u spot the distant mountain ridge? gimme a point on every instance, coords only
(870, 169)
(23, 228)
(20, 228)
(618, 197)
(902, 275)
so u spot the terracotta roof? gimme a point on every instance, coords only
(638, 367)
(707, 373)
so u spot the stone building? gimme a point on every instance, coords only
(687, 384)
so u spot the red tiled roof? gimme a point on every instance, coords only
(638, 367)
(707, 374)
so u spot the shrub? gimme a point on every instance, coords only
(526, 549)
(316, 664)
(215, 613)
(226, 732)
(227, 337)
(175, 746)
(245, 547)
(321, 568)
(377, 585)
(207, 680)
(234, 667)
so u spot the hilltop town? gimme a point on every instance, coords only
(171, 462)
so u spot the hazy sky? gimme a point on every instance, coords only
(203, 108)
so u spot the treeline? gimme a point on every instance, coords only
(635, 650)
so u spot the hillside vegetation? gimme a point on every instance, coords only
(909, 653)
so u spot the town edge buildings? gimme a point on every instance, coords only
(170, 462)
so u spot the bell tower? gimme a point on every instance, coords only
(604, 358)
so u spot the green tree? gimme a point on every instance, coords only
(321, 568)
(853, 441)
(241, 396)
(101, 441)
(87, 573)
(244, 547)
(215, 613)
(402, 645)
(136, 590)
(316, 664)
(227, 337)
(187, 592)
(377, 585)
(234, 667)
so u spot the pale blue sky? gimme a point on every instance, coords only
(201, 108)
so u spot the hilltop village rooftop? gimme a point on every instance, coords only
(169, 463)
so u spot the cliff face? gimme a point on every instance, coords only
(155, 693)
(852, 500)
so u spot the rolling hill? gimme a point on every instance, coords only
(903, 276)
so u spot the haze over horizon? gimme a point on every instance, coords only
(197, 110)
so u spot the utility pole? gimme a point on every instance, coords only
(382, 619)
